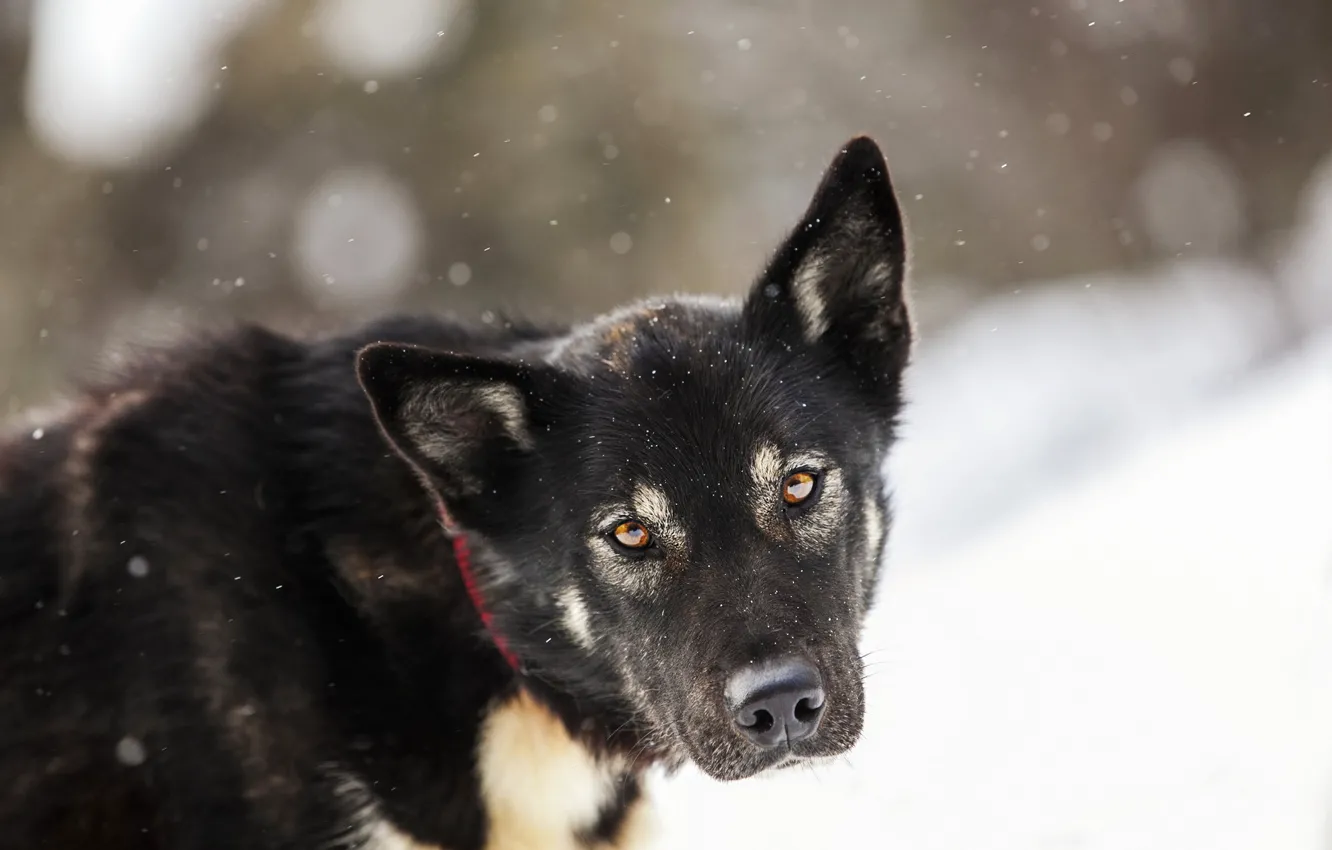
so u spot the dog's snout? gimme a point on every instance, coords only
(776, 702)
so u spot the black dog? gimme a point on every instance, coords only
(430, 585)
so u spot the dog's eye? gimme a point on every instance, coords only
(798, 488)
(632, 535)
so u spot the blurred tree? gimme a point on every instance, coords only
(556, 157)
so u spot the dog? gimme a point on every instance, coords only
(428, 584)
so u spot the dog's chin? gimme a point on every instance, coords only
(728, 760)
(767, 764)
(733, 770)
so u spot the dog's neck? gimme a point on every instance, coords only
(462, 556)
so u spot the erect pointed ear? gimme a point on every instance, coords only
(460, 421)
(838, 280)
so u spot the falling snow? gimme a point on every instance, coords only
(130, 751)
(138, 566)
(460, 274)
(621, 242)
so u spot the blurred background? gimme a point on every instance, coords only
(1108, 623)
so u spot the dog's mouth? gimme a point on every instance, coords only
(787, 759)
(729, 764)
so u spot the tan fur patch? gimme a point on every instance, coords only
(810, 304)
(617, 343)
(874, 534)
(382, 835)
(637, 832)
(633, 578)
(576, 618)
(426, 410)
(654, 508)
(540, 787)
(822, 525)
(78, 473)
(381, 575)
(766, 468)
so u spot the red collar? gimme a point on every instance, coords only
(462, 554)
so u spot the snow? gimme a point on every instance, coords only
(1136, 659)
(1028, 389)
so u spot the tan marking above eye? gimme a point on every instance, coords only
(632, 535)
(798, 487)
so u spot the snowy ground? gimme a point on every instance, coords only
(1136, 654)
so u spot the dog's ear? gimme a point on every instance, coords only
(838, 280)
(459, 420)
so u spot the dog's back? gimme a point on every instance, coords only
(114, 637)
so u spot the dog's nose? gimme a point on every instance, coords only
(776, 702)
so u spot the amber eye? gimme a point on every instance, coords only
(632, 535)
(799, 486)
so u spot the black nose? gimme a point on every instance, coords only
(776, 702)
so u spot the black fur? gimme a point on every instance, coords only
(225, 596)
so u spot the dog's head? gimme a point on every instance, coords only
(689, 492)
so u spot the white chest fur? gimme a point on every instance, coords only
(541, 788)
